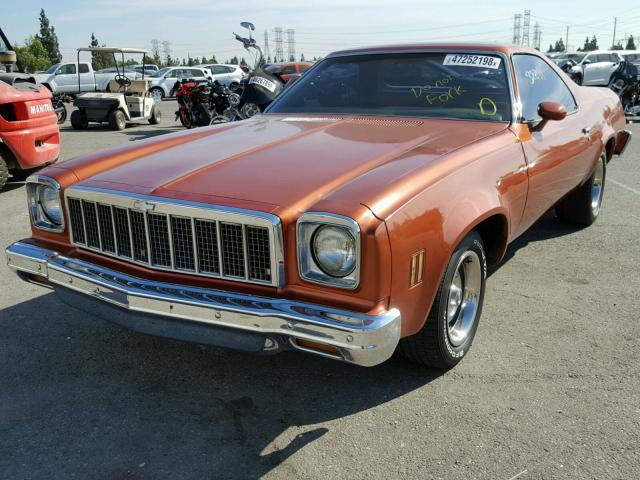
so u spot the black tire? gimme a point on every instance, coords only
(434, 345)
(79, 120)
(156, 115)
(117, 120)
(21, 175)
(577, 78)
(61, 113)
(4, 173)
(582, 206)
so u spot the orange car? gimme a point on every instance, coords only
(286, 70)
(357, 216)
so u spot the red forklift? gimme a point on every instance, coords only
(29, 133)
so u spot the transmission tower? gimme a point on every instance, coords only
(537, 34)
(291, 45)
(525, 27)
(517, 28)
(267, 53)
(279, 54)
(166, 51)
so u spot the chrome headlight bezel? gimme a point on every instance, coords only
(308, 267)
(36, 185)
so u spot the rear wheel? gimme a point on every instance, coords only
(61, 113)
(117, 120)
(453, 320)
(79, 120)
(157, 94)
(582, 206)
(156, 115)
(4, 173)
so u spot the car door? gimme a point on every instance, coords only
(170, 79)
(66, 78)
(87, 79)
(561, 155)
(589, 69)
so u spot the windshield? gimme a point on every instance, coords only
(271, 68)
(438, 85)
(53, 68)
(632, 57)
(161, 72)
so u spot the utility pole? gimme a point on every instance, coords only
(615, 24)
(525, 27)
(566, 40)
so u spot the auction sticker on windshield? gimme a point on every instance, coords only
(468, 60)
(263, 82)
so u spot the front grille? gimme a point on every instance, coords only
(186, 238)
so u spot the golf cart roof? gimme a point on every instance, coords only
(112, 50)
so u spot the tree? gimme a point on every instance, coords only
(33, 56)
(203, 60)
(589, 45)
(49, 39)
(617, 46)
(243, 61)
(631, 44)
(213, 60)
(99, 59)
(302, 57)
(233, 61)
(155, 52)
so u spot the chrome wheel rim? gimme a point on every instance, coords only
(156, 94)
(597, 187)
(464, 298)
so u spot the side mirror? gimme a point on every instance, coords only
(549, 111)
(586, 62)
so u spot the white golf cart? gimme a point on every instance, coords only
(127, 100)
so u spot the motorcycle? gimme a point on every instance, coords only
(58, 101)
(200, 103)
(625, 82)
(256, 92)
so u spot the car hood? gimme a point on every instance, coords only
(273, 162)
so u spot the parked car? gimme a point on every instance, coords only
(356, 216)
(632, 56)
(229, 75)
(164, 79)
(566, 60)
(29, 133)
(286, 70)
(595, 68)
(63, 78)
(147, 69)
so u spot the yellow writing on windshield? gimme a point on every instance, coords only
(487, 107)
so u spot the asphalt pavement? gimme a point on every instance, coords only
(551, 388)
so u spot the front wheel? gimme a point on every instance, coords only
(582, 206)
(61, 113)
(577, 78)
(4, 172)
(452, 322)
(117, 120)
(156, 115)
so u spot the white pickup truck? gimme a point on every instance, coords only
(63, 78)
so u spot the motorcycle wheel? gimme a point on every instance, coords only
(186, 123)
(61, 113)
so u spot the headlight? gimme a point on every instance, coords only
(45, 208)
(234, 99)
(50, 203)
(329, 249)
(334, 250)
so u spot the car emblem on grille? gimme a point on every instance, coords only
(144, 205)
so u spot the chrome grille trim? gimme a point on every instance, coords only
(179, 236)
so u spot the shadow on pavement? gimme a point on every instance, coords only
(84, 398)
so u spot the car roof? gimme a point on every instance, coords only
(422, 47)
(112, 50)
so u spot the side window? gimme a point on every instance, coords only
(613, 58)
(537, 83)
(67, 69)
(229, 69)
(84, 68)
(590, 58)
(193, 73)
(171, 73)
(288, 70)
(304, 68)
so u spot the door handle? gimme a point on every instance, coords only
(586, 130)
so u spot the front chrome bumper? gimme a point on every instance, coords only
(353, 337)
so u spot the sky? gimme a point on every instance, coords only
(204, 28)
